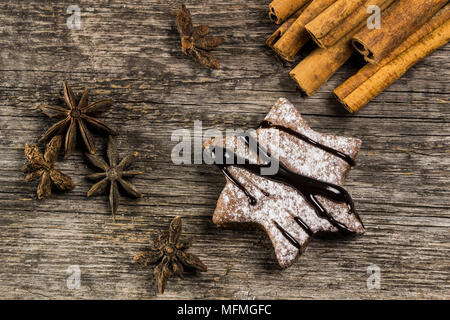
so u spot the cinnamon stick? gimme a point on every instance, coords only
(296, 36)
(313, 71)
(368, 82)
(274, 37)
(398, 22)
(339, 19)
(280, 10)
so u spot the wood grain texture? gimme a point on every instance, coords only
(129, 51)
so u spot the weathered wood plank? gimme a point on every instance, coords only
(129, 51)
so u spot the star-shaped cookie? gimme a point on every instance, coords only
(290, 213)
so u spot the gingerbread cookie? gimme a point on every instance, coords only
(302, 198)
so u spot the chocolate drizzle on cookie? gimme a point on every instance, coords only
(287, 235)
(251, 199)
(308, 187)
(268, 124)
(304, 226)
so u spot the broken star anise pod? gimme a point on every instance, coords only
(113, 174)
(76, 114)
(195, 41)
(41, 165)
(168, 250)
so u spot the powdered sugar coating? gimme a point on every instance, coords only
(283, 202)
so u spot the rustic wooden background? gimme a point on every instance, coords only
(129, 50)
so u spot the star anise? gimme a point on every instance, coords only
(168, 250)
(113, 173)
(42, 166)
(195, 41)
(76, 115)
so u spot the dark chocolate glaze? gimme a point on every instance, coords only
(267, 124)
(308, 187)
(304, 226)
(287, 235)
(227, 174)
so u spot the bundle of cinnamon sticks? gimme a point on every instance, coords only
(392, 35)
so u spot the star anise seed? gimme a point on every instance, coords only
(42, 166)
(113, 174)
(168, 250)
(195, 41)
(76, 115)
